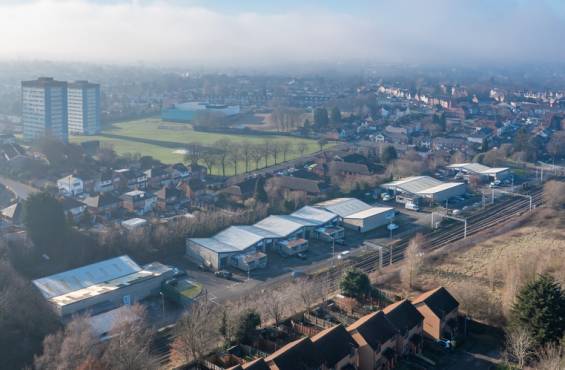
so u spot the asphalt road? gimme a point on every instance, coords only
(21, 190)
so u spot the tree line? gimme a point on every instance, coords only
(243, 156)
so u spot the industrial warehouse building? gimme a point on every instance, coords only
(357, 215)
(412, 189)
(480, 170)
(245, 247)
(102, 286)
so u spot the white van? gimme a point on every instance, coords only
(411, 206)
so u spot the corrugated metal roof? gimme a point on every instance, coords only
(314, 214)
(441, 187)
(414, 184)
(238, 237)
(86, 276)
(344, 207)
(214, 245)
(372, 211)
(281, 225)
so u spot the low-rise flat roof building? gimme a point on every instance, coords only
(102, 285)
(477, 169)
(426, 187)
(358, 215)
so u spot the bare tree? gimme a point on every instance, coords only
(274, 305)
(519, 345)
(131, 339)
(246, 149)
(222, 147)
(275, 150)
(195, 333)
(286, 148)
(210, 159)
(70, 348)
(308, 293)
(301, 146)
(234, 155)
(194, 152)
(266, 151)
(256, 153)
(554, 194)
(413, 258)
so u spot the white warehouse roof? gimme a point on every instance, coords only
(314, 215)
(86, 276)
(344, 207)
(372, 212)
(414, 184)
(440, 188)
(477, 168)
(283, 226)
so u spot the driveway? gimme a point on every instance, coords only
(21, 190)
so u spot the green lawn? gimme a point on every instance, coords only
(161, 139)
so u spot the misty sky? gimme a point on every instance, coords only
(255, 33)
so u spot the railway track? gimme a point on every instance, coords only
(394, 252)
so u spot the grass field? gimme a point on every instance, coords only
(163, 140)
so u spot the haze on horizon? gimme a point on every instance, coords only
(252, 34)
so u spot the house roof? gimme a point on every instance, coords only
(403, 315)
(298, 355)
(344, 207)
(439, 300)
(297, 183)
(357, 168)
(314, 215)
(374, 328)
(13, 212)
(70, 203)
(102, 200)
(333, 345)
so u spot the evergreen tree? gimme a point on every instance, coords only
(246, 326)
(540, 308)
(321, 117)
(355, 284)
(389, 154)
(260, 194)
(45, 222)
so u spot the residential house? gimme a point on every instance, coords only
(129, 178)
(448, 143)
(409, 322)
(169, 197)
(103, 182)
(310, 187)
(70, 185)
(300, 354)
(180, 172)
(73, 208)
(338, 168)
(14, 214)
(138, 201)
(193, 189)
(104, 204)
(440, 311)
(337, 349)
(157, 177)
(377, 341)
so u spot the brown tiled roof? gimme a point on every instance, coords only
(403, 315)
(298, 355)
(375, 329)
(296, 183)
(439, 300)
(334, 344)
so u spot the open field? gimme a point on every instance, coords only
(165, 140)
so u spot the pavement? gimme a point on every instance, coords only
(21, 190)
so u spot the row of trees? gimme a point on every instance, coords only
(226, 153)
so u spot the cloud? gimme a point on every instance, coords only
(165, 32)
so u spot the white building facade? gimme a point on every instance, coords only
(84, 108)
(44, 109)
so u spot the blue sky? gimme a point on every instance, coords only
(254, 33)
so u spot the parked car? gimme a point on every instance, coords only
(456, 212)
(386, 197)
(224, 274)
(302, 255)
(495, 184)
(446, 343)
(343, 255)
